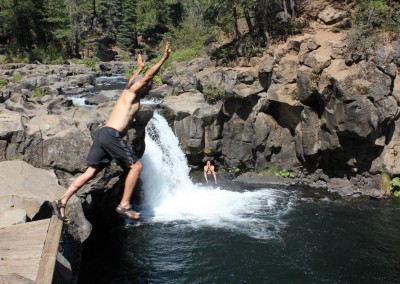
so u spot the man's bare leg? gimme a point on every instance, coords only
(130, 183)
(78, 182)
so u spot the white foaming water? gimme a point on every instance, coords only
(170, 196)
(78, 101)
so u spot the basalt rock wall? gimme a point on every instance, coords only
(307, 105)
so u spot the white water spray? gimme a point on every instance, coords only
(171, 196)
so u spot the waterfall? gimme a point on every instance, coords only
(171, 196)
(166, 169)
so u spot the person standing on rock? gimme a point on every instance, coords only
(108, 143)
(208, 170)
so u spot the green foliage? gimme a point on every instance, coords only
(242, 47)
(181, 55)
(282, 30)
(3, 82)
(277, 172)
(285, 173)
(213, 92)
(53, 30)
(17, 77)
(48, 55)
(56, 19)
(90, 61)
(362, 38)
(228, 51)
(126, 26)
(395, 186)
(235, 171)
(375, 22)
(124, 55)
(38, 93)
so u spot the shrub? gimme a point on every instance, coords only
(17, 77)
(285, 173)
(49, 55)
(277, 172)
(213, 92)
(3, 82)
(235, 171)
(373, 21)
(395, 186)
(90, 61)
(38, 93)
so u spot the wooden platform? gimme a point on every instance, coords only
(28, 251)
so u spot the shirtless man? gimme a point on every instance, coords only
(208, 170)
(108, 143)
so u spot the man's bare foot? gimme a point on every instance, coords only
(127, 212)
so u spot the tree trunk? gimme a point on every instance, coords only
(136, 38)
(285, 9)
(77, 41)
(235, 19)
(293, 8)
(248, 20)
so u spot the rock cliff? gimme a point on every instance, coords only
(307, 105)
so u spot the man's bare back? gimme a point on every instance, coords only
(128, 103)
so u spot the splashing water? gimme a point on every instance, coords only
(171, 196)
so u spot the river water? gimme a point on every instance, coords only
(194, 233)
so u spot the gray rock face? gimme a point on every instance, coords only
(29, 190)
(301, 106)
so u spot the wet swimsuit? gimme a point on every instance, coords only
(107, 145)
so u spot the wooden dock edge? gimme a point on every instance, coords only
(49, 255)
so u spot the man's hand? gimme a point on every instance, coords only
(167, 50)
(140, 61)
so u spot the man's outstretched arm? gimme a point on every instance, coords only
(153, 70)
(140, 67)
(156, 67)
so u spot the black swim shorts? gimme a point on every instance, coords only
(107, 145)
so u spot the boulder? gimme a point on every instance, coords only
(30, 191)
(12, 217)
(11, 135)
(331, 15)
(102, 97)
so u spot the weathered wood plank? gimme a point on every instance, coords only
(29, 250)
(20, 231)
(21, 248)
(49, 255)
(15, 279)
